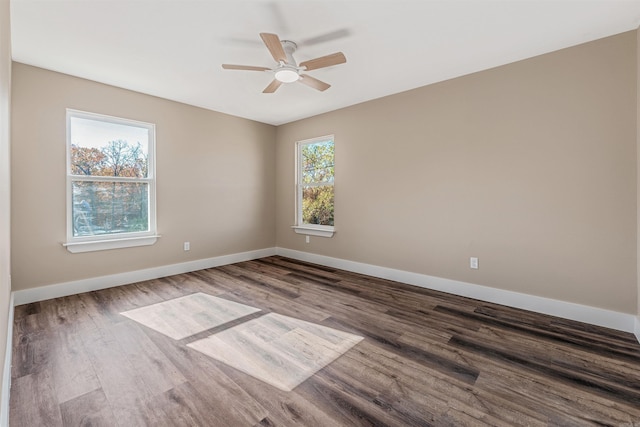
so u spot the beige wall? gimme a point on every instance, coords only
(531, 167)
(215, 180)
(5, 271)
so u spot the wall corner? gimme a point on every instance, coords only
(637, 320)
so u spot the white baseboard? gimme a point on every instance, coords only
(6, 373)
(593, 315)
(42, 293)
(567, 310)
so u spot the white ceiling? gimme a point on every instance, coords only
(174, 48)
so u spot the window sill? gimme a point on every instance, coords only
(103, 245)
(310, 230)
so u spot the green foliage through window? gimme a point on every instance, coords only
(109, 176)
(316, 182)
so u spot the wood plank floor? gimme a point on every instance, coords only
(427, 358)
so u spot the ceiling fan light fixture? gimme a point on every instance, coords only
(287, 69)
(287, 75)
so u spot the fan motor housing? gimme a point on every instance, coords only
(289, 47)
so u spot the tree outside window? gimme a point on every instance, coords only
(110, 176)
(316, 182)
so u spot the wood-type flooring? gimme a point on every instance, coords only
(427, 359)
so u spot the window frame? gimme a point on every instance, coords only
(76, 244)
(300, 227)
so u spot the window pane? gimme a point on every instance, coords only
(317, 162)
(317, 205)
(101, 208)
(102, 148)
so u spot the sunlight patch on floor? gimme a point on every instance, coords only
(279, 350)
(185, 316)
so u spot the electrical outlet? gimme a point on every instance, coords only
(307, 239)
(473, 263)
(187, 246)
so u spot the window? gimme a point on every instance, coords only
(110, 182)
(314, 185)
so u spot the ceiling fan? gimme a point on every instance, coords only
(287, 71)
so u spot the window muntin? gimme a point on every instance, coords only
(110, 178)
(315, 182)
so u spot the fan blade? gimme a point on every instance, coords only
(244, 67)
(273, 86)
(326, 37)
(314, 83)
(272, 41)
(324, 61)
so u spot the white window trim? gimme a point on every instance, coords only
(319, 230)
(299, 227)
(120, 240)
(103, 245)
